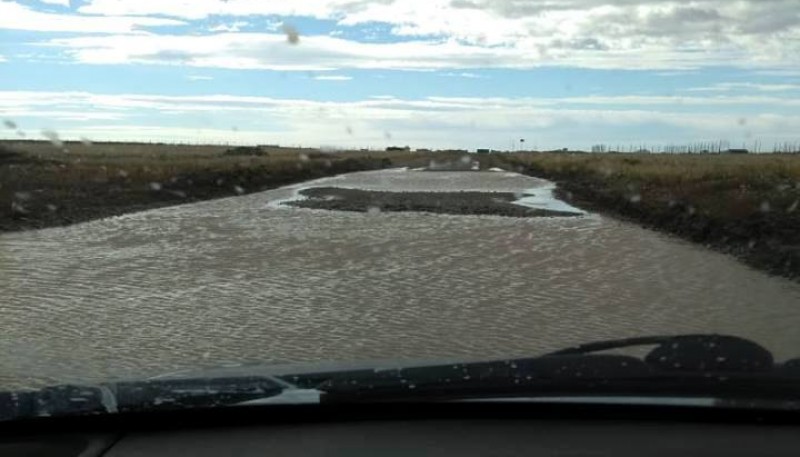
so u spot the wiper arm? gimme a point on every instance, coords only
(141, 396)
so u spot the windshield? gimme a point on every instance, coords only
(189, 188)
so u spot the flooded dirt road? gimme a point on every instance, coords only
(251, 280)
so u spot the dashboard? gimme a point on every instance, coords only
(593, 432)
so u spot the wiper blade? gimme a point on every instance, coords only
(688, 365)
(685, 365)
(689, 352)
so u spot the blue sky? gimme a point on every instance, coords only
(432, 73)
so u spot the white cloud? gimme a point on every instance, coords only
(728, 87)
(333, 78)
(65, 3)
(595, 33)
(456, 34)
(466, 75)
(200, 78)
(14, 16)
(271, 51)
(432, 122)
(200, 9)
(638, 100)
(233, 27)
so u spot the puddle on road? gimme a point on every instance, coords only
(247, 280)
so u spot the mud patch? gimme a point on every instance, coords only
(457, 203)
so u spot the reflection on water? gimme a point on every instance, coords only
(244, 280)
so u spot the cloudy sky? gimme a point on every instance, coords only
(424, 73)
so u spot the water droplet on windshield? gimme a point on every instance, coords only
(304, 158)
(239, 189)
(292, 35)
(765, 207)
(155, 186)
(10, 124)
(86, 141)
(793, 208)
(373, 211)
(636, 199)
(52, 137)
(122, 174)
(52, 208)
(18, 208)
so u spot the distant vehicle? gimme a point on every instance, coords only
(736, 151)
(484, 151)
(398, 148)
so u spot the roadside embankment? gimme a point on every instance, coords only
(46, 186)
(746, 206)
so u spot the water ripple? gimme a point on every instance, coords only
(240, 281)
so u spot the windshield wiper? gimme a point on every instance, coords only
(698, 366)
(709, 366)
(153, 395)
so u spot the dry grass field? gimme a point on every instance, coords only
(746, 205)
(42, 185)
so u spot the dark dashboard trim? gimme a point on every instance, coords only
(283, 415)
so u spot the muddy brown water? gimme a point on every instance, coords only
(247, 280)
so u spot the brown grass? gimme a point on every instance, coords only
(42, 185)
(723, 185)
(748, 205)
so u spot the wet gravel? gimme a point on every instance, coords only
(457, 203)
